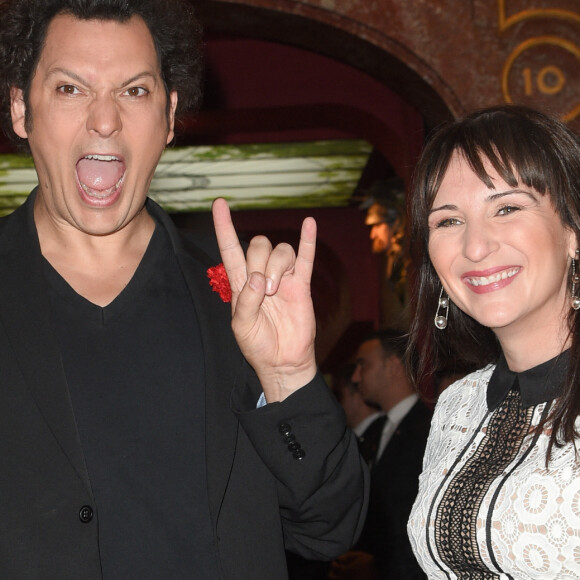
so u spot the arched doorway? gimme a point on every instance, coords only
(274, 76)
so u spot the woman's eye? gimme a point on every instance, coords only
(507, 209)
(447, 223)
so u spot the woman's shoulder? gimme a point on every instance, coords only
(458, 411)
(470, 384)
(464, 395)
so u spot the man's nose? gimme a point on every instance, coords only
(104, 116)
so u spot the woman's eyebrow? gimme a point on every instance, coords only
(500, 194)
(443, 207)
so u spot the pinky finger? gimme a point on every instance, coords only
(306, 249)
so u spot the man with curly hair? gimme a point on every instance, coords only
(148, 429)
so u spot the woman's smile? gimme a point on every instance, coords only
(490, 280)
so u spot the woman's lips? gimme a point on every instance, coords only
(490, 280)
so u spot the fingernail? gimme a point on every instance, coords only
(269, 285)
(254, 282)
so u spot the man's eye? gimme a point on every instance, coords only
(68, 89)
(136, 92)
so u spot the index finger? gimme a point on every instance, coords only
(231, 250)
(306, 250)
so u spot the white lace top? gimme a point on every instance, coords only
(487, 507)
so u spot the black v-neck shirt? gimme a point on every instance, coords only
(135, 373)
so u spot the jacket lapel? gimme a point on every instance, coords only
(393, 446)
(25, 316)
(222, 359)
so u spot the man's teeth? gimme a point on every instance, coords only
(484, 280)
(102, 194)
(102, 157)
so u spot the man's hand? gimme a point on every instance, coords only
(272, 313)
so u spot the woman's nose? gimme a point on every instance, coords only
(478, 242)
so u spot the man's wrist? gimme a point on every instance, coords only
(281, 383)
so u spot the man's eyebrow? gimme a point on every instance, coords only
(140, 76)
(69, 73)
(75, 76)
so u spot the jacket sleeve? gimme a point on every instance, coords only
(321, 480)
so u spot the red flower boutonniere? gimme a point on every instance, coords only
(218, 280)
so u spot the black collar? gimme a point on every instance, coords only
(537, 385)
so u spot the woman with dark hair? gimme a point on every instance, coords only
(495, 236)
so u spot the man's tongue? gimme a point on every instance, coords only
(99, 176)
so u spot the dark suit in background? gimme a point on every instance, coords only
(368, 442)
(394, 485)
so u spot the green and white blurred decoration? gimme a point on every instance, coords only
(264, 176)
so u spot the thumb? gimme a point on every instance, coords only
(248, 304)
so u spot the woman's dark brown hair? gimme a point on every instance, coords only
(523, 146)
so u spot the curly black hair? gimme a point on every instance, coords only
(175, 30)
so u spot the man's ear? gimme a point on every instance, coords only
(171, 118)
(397, 366)
(18, 112)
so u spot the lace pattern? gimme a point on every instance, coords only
(456, 516)
(487, 507)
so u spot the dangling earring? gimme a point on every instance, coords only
(575, 302)
(440, 320)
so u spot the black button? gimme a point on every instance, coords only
(290, 438)
(285, 429)
(299, 454)
(86, 514)
(294, 446)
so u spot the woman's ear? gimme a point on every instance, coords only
(573, 245)
(18, 112)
